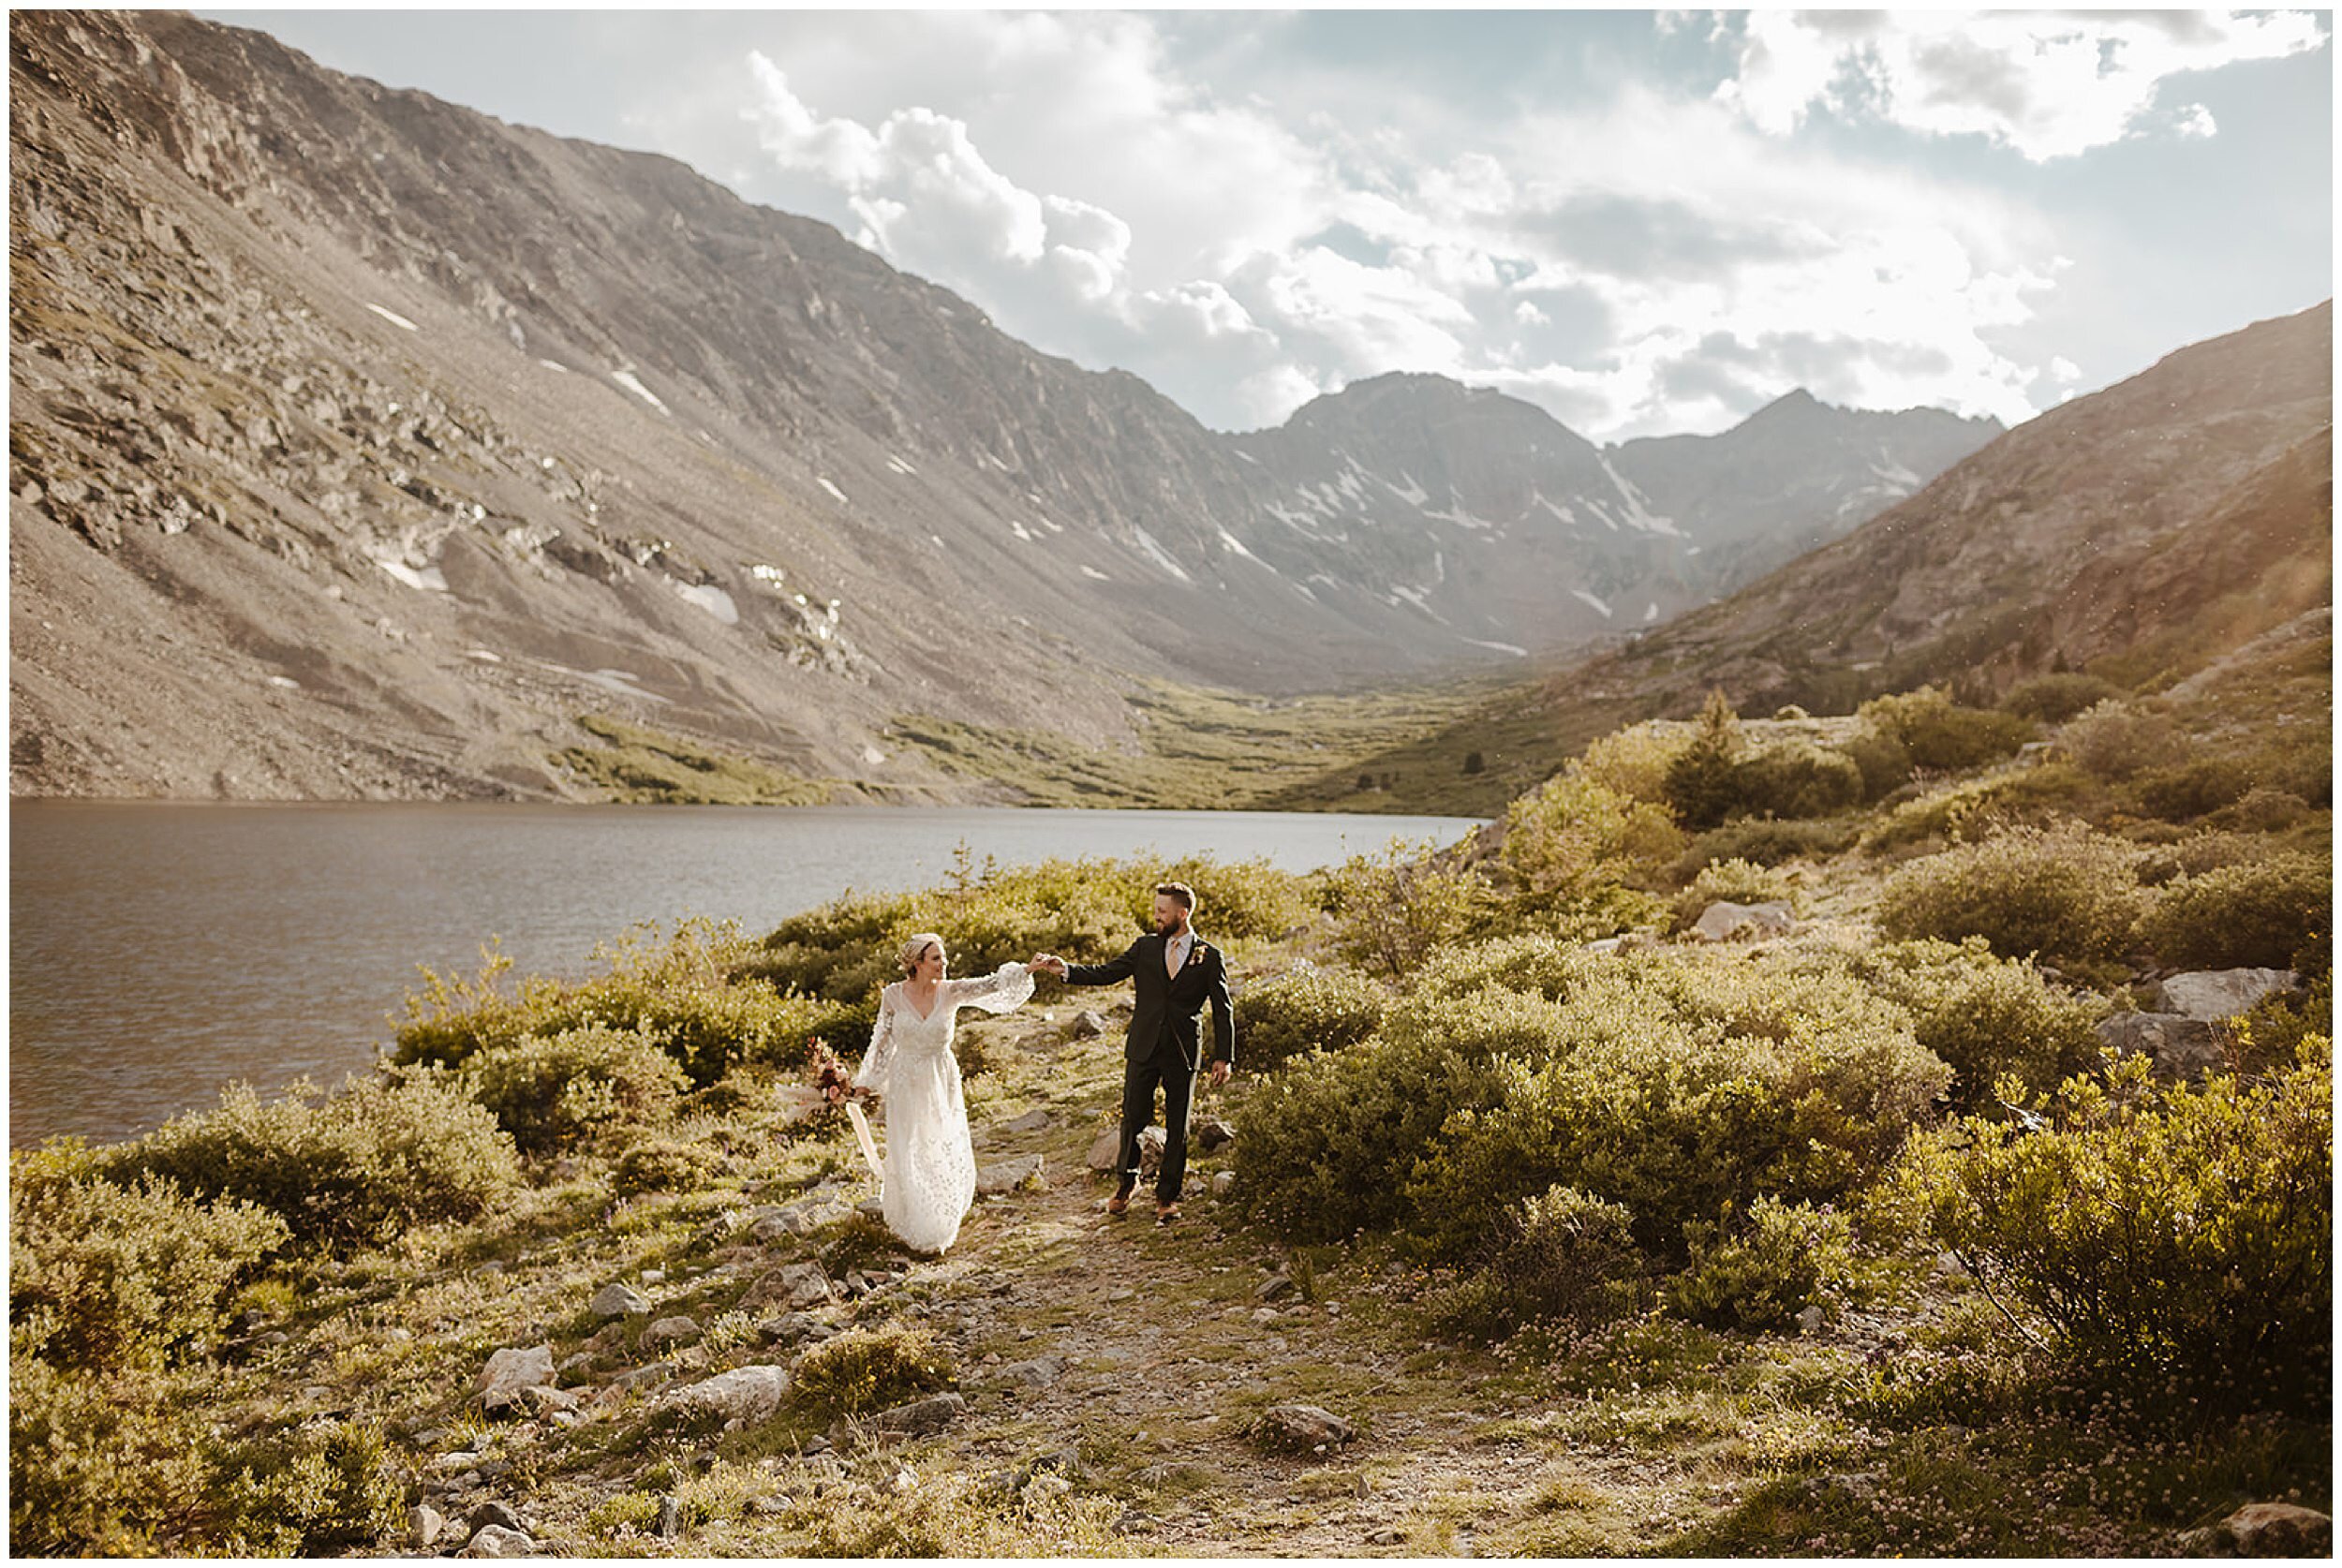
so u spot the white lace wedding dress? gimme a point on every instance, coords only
(929, 1176)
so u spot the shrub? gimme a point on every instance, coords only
(1988, 1017)
(1677, 1084)
(550, 1093)
(2275, 913)
(1571, 840)
(1882, 760)
(1634, 761)
(99, 1466)
(2066, 894)
(866, 1369)
(662, 1165)
(387, 1151)
(1559, 1255)
(1800, 779)
(2114, 740)
(322, 1492)
(2054, 699)
(1763, 1271)
(102, 1277)
(1391, 910)
(2260, 809)
(2193, 854)
(1764, 842)
(1940, 736)
(2154, 1239)
(1736, 881)
(2183, 794)
(2034, 794)
(1310, 1008)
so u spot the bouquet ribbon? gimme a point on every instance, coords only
(870, 1145)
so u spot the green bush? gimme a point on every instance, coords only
(1764, 842)
(1736, 881)
(2054, 699)
(2038, 795)
(2065, 894)
(1558, 1256)
(662, 1165)
(2201, 785)
(1571, 839)
(385, 1151)
(1987, 1017)
(1942, 736)
(1882, 760)
(2260, 809)
(2275, 913)
(2114, 739)
(1310, 1009)
(1392, 911)
(319, 1493)
(865, 1370)
(105, 1277)
(1703, 783)
(1798, 780)
(2192, 854)
(1764, 1269)
(1670, 1082)
(551, 1093)
(2154, 1240)
(102, 1466)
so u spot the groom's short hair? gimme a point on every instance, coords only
(1180, 891)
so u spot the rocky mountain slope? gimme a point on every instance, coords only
(2139, 533)
(360, 442)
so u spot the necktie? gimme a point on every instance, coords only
(1171, 956)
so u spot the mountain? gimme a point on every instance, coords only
(360, 443)
(2140, 533)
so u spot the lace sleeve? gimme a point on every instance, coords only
(1004, 988)
(871, 1074)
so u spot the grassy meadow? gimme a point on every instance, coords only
(1602, 1238)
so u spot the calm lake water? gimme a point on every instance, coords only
(156, 952)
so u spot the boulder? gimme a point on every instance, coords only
(619, 1301)
(743, 1393)
(1306, 1428)
(1724, 920)
(2263, 1530)
(1223, 1183)
(921, 1418)
(1211, 1134)
(1041, 1372)
(2180, 1046)
(542, 1400)
(497, 1514)
(1104, 1151)
(652, 1376)
(1087, 1025)
(510, 1371)
(1272, 1287)
(1031, 1121)
(2215, 994)
(423, 1524)
(998, 1181)
(498, 1541)
(1150, 1145)
(792, 1287)
(671, 1331)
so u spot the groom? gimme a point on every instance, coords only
(1177, 972)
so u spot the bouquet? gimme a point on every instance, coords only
(829, 1074)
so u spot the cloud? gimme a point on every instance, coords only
(2046, 85)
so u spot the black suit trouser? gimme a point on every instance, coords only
(1167, 1068)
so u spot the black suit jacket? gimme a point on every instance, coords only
(1169, 1008)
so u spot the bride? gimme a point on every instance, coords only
(929, 1177)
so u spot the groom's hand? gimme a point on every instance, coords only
(1219, 1071)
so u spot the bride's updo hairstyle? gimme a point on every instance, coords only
(914, 949)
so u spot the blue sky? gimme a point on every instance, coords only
(1645, 222)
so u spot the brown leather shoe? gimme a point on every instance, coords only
(1165, 1213)
(1118, 1205)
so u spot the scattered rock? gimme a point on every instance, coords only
(1272, 1287)
(461, 1459)
(997, 1181)
(2180, 1046)
(743, 1393)
(2215, 994)
(498, 1541)
(1304, 1428)
(790, 1329)
(903, 1480)
(1150, 1146)
(651, 1376)
(671, 1331)
(2263, 1530)
(1087, 1025)
(1031, 1121)
(619, 1301)
(921, 1418)
(1223, 1183)
(1211, 1134)
(497, 1514)
(1104, 1151)
(1724, 920)
(670, 1524)
(1041, 1371)
(872, 1208)
(1810, 1320)
(542, 1400)
(1386, 1536)
(423, 1524)
(510, 1371)
(794, 1286)
(607, 1338)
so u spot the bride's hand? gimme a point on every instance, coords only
(1041, 964)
